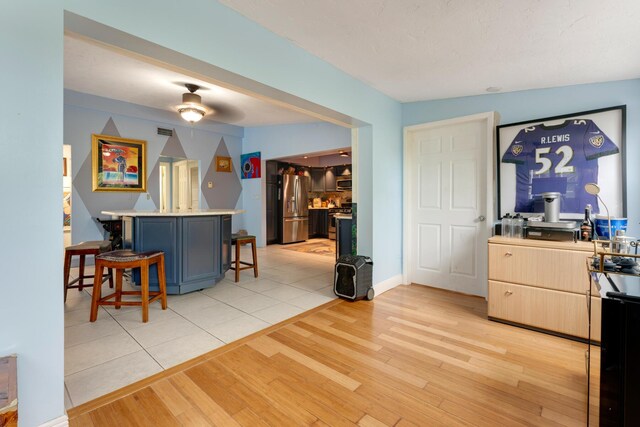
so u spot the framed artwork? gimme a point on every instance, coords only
(250, 165)
(118, 164)
(562, 154)
(223, 164)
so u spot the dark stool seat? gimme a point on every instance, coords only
(94, 248)
(240, 240)
(121, 260)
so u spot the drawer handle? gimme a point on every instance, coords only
(508, 254)
(507, 293)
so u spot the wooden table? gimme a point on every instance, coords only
(8, 392)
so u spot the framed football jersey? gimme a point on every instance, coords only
(562, 154)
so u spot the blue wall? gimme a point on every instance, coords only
(31, 44)
(220, 36)
(87, 114)
(533, 104)
(31, 174)
(280, 141)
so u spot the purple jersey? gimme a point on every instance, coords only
(561, 158)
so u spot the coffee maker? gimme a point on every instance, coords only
(552, 228)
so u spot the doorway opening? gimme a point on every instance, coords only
(179, 184)
(66, 194)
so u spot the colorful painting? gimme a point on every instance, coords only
(118, 164)
(66, 209)
(223, 164)
(250, 165)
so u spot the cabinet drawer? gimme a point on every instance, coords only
(556, 311)
(546, 268)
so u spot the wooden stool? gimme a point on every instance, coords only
(94, 247)
(240, 240)
(120, 260)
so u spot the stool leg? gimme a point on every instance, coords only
(119, 272)
(81, 273)
(144, 285)
(67, 267)
(255, 258)
(237, 261)
(97, 286)
(162, 281)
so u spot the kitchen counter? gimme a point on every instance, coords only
(324, 207)
(196, 245)
(196, 212)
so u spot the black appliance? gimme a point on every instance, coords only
(331, 212)
(112, 230)
(344, 234)
(353, 277)
(620, 350)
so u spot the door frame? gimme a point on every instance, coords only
(491, 119)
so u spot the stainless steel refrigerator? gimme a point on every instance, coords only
(294, 213)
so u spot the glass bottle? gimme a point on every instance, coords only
(517, 227)
(506, 225)
(586, 227)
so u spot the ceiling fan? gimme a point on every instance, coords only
(193, 110)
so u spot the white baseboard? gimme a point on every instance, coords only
(62, 421)
(390, 283)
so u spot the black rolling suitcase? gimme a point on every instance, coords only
(353, 276)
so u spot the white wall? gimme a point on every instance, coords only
(274, 142)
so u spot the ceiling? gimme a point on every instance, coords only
(431, 49)
(97, 70)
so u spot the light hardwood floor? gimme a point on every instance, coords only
(414, 356)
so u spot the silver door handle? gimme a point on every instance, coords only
(481, 218)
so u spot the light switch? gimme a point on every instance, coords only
(210, 184)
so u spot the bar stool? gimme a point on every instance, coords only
(93, 247)
(241, 240)
(121, 260)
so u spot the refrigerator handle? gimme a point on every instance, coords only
(295, 195)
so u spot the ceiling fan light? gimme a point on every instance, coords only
(191, 113)
(191, 108)
(344, 154)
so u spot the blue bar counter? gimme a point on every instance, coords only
(196, 245)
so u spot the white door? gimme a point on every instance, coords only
(164, 187)
(194, 182)
(181, 191)
(446, 192)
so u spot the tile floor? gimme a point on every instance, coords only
(118, 349)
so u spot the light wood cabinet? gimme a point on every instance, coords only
(542, 285)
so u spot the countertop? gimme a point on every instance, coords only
(197, 212)
(325, 208)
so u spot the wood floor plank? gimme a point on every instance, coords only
(414, 356)
(214, 412)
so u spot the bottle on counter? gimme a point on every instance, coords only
(517, 227)
(586, 227)
(506, 225)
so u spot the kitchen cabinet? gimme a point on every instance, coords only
(329, 179)
(318, 223)
(342, 170)
(541, 284)
(317, 179)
